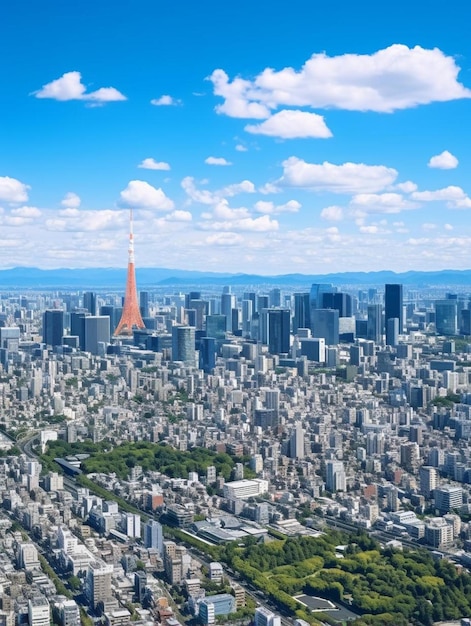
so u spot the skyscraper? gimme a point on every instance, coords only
(153, 536)
(53, 327)
(89, 302)
(393, 306)
(446, 317)
(325, 325)
(302, 312)
(278, 327)
(374, 324)
(97, 333)
(183, 344)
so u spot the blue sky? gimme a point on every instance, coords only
(266, 137)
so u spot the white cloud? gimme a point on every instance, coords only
(369, 230)
(240, 148)
(29, 212)
(289, 124)
(345, 178)
(141, 195)
(444, 161)
(236, 103)
(70, 87)
(454, 197)
(332, 213)
(427, 226)
(73, 220)
(211, 160)
(395, 78)
(270, 208)
(203, 196)
(165, 101)
(71, 200)
(12, 190)
(179, 216)
(151, 164)
(269, 188)
(380, 203)
(448, 227)
(224, 239)
(407, 187)
(245, 186)
(259, 224)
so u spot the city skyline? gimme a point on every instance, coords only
(309, 140)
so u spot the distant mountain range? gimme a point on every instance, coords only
(114, 279)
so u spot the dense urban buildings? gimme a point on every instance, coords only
(329, 404)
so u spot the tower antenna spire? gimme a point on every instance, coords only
(131, 316)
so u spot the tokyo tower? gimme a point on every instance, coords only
(131, 316)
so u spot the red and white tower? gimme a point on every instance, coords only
(131, 316)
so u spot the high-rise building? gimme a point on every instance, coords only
(374, 324)
(98, 583)
(335, 476)
(228, 302)
(153, 536)
(53, 327)
(89, 302)
(97, 333)
(77, 326)
(325, 325)
(216, 327)
(144, 303)
(393, 305)
(302, 312)
(278, 327)
(296, 442)
(428, 480)
(131, 316)
(446, 317)
(207, 354)
(183, 344)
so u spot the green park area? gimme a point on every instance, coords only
(385, 586)
(158, 457)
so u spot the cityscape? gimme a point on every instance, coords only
(235, 314)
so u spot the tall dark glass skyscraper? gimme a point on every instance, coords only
(53, 327)
(278, 330)
(393, 307)
(302, 312)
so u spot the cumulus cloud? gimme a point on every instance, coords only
(70, 87)
(260, 224)
(397, 77)
(165, 101)
(332, 213)
(380, 203)
(72, 220)
(205, 196)
(211, 160)
(454, 197)
(245, 186)
(224, 239)
(443, 161)
(71, 200)
(289, 124)
(151, 164)
(29, 212)
(240, 148)
(407, 187)
(270, 208)
(141, 195)
(345, 178)
(12, 190)
(179, 216)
